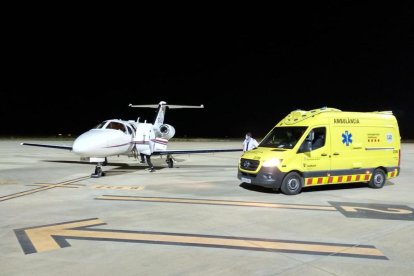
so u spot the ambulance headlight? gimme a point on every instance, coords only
(272, 162)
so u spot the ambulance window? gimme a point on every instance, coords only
(319, 138)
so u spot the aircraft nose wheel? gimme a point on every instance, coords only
(98, 171)
(170, 162)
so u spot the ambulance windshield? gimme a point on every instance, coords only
(283, 137)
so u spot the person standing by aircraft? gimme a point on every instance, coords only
(146, 154)
(249, 142)
(148, 159)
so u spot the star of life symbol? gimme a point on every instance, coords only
(246, 164)
(347, 138)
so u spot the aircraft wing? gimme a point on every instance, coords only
(166, 152)
(48, 146)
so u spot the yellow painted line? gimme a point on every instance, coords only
(51, 237)
(8, 182)
(112, 187)
(218, 202)
(55, 185)
(3, 198)
(44, 184)
(36, 190)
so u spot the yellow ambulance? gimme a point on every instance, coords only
(325, 146)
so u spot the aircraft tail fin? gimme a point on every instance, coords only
(162, 106)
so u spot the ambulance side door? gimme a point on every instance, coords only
(315, 151)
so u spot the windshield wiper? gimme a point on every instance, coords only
(279, 149)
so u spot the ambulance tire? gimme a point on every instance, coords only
(292, 184)
(378, 179)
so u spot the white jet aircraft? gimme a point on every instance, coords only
(119, 137)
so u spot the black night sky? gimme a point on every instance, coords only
(66, 78)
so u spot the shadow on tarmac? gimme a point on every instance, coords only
(125, 168)
(119, 168)
(333, 187)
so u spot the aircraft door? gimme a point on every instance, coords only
(131, 134)
(144, 137)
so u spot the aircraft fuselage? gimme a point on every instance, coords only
(103, 142)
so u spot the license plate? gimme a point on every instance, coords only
(246, 180)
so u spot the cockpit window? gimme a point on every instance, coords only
(116, 125)
(283, 137)
(130, 131)
(101, 125)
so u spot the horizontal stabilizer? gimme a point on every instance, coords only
(172, 106)
(166, 152)
(144, 105)
(184, 106)
(47, 146)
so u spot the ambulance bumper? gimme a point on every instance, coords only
(266, 177)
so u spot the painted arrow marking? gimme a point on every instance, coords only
(50, 237)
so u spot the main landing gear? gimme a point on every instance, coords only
(169, 161)
(98, 169)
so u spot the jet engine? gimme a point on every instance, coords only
(166, 131)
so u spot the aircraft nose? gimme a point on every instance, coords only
(94, 143)
(80, 146)
(87, 144)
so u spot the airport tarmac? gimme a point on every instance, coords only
(194, 219)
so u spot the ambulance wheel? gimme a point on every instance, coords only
(378, 179)
(292, 184)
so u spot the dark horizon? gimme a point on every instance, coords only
(345, 58)
(221, 119)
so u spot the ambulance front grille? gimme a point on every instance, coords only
(249, 164)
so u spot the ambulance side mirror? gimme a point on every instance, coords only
(305, 147)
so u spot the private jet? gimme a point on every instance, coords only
(131, 138)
